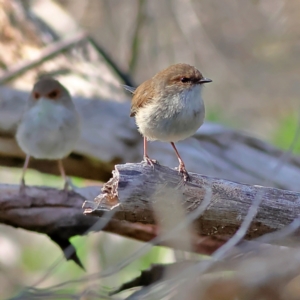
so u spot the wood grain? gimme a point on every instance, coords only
(135, 188)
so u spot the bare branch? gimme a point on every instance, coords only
(46, 54)
(130, 191)
(48, 211)
(128, 196)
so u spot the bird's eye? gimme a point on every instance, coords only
(53, 94)
(36, 95)
(185, 79)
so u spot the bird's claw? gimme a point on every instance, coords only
(69, 185)
(182, 170)
(149, 161)
(22, 186)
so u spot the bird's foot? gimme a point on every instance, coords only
(69, 185)
(22, 186)
(184, 173)
(149, 161)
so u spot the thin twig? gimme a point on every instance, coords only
(125, 76)
(140, 19)
(46, 54)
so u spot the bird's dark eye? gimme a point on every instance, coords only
(185, 79)
(53, 94)
(36, 95)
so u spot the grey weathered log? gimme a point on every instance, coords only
(109, 136)
(130, 191)
(134, 189)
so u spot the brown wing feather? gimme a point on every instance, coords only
(141, 96)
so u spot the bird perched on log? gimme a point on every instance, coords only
(169, 107)
(50, 125)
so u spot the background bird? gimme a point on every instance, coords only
(50, 125)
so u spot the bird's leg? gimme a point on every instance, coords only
(146, 158)
(182, 170)
(67, 182)
(25, 166)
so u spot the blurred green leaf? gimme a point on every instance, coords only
(285, 134)
(216, 115)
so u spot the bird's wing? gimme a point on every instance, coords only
(141, 97)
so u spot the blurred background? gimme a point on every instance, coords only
(250, 49)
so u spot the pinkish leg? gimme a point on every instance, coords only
(63, 175)
(181, 167)
(146, 158)
(25, 166)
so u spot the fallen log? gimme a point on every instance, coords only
(128, 202)
(135, 188)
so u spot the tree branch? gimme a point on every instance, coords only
(131, 195)
(49, 211)
(135, 188)
(46, 54)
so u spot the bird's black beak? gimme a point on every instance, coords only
(204, 80)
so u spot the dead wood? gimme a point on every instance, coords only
(135, 188)
(49, 211)
(130, 198)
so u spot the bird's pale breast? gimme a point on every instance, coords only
(174, 118)
(48, 131)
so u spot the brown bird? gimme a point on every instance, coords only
(169, 107)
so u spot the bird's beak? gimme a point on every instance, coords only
(205, 80)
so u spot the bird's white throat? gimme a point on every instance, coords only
(46, 109)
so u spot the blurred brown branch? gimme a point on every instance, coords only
(49, 211)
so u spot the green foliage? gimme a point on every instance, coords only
(213, 114)
(285, 134)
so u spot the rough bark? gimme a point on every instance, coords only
(135, 189)
(129, 200)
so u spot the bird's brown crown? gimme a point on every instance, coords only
(171, 80)
(179, 74)
(48, 88)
